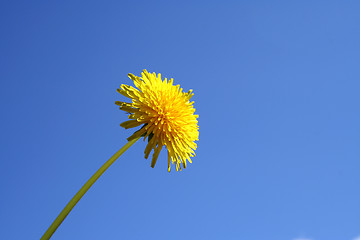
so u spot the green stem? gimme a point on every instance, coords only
(83, 190)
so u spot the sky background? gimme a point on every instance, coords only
(276, 86)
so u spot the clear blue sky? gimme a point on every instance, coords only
(276, 86)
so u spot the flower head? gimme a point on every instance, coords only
(166, 114)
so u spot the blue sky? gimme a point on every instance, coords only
(276, 86)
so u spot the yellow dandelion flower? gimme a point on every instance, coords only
(167, 118)
(166, 114)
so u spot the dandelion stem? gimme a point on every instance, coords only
(83, 190)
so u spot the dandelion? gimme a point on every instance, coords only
(167, 118)
(166, 114)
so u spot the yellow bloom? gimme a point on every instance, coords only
(166, 114)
